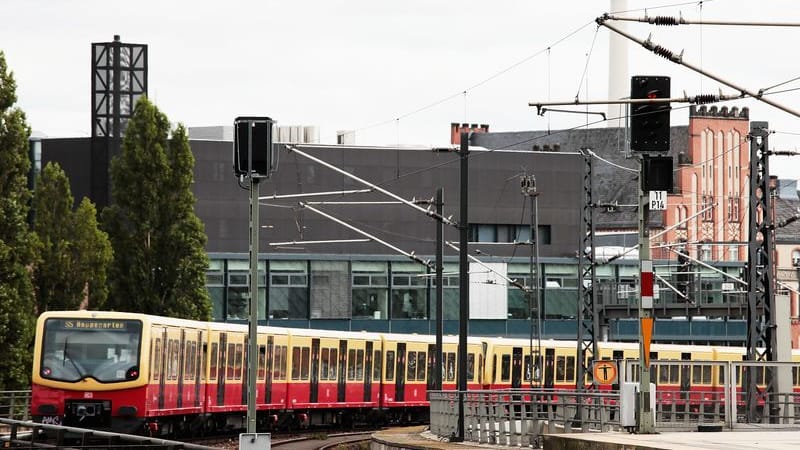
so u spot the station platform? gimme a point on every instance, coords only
(418, 438)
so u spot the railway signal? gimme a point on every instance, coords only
(650, 119)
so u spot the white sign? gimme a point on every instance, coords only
(658, 200)
(727, 287)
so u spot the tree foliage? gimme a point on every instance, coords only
(17, 243)
(75, 253)
(159, 243)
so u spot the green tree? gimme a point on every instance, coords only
(75, 253)
(159, 243)
(17, 242)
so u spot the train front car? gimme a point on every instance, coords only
(87, 370)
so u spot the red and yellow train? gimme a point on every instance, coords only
(136, 373)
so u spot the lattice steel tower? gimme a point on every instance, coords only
(119, 79)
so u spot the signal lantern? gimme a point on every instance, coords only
(650, 121)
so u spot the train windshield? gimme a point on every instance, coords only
(104, 349)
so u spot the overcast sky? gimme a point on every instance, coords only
(394, 71)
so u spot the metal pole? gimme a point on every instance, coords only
(252, 336)
(645, 418)
(463, 284)
(439, 291)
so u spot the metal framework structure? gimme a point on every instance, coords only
(587, 315)
(119, 79)
(761, 335)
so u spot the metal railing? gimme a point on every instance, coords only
(520, 417)
(25, 434)
(15, 405)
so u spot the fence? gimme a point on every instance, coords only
(15, 405)
(519, 417)
(688, 394)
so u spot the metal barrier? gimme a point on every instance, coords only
(713, 392)
(24, 434)
(15, 405)
(519, 417)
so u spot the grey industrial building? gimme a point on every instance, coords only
(364, 285)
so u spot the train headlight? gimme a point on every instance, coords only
(132, 373)
(46, 371)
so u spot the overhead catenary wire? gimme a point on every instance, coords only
(678, 59)
(672, 21)
(409, 255)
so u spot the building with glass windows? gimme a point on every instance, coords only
(315, 272)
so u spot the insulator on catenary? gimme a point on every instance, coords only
(661, 51)
(663, 20)
(705, 98)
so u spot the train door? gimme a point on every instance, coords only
(341, 384)
(432, 366)
(199, 362)
(223, 350)
(181, 365)
(162, 373)
(516, 367)
(244, 369)
(314, 394)
(269, 369)
(400, 374)
(368, 373)
(686, 375)
(549, 367)
(619, 357)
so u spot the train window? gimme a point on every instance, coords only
(411, 373)
(421, 358)
(304, 363)
(333, 366)
(213, 362)
(156, 359)
(796, 381)
(570, 368)
(663, 374)
(451, 366)
(351, 364)
(229, 363)
(174, 361)
(527, 368)
(359, 364)
(470, 366)
(494, 369)
(701, 374)
(323, 364)
(295, 363)
(505, 368)
(376, 366)
(238, 366)
(390, 365)
(279, 365)
(561, 370)
(191, 357)
(262, 362)
(480, 369)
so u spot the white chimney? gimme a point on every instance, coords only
(618, 77)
